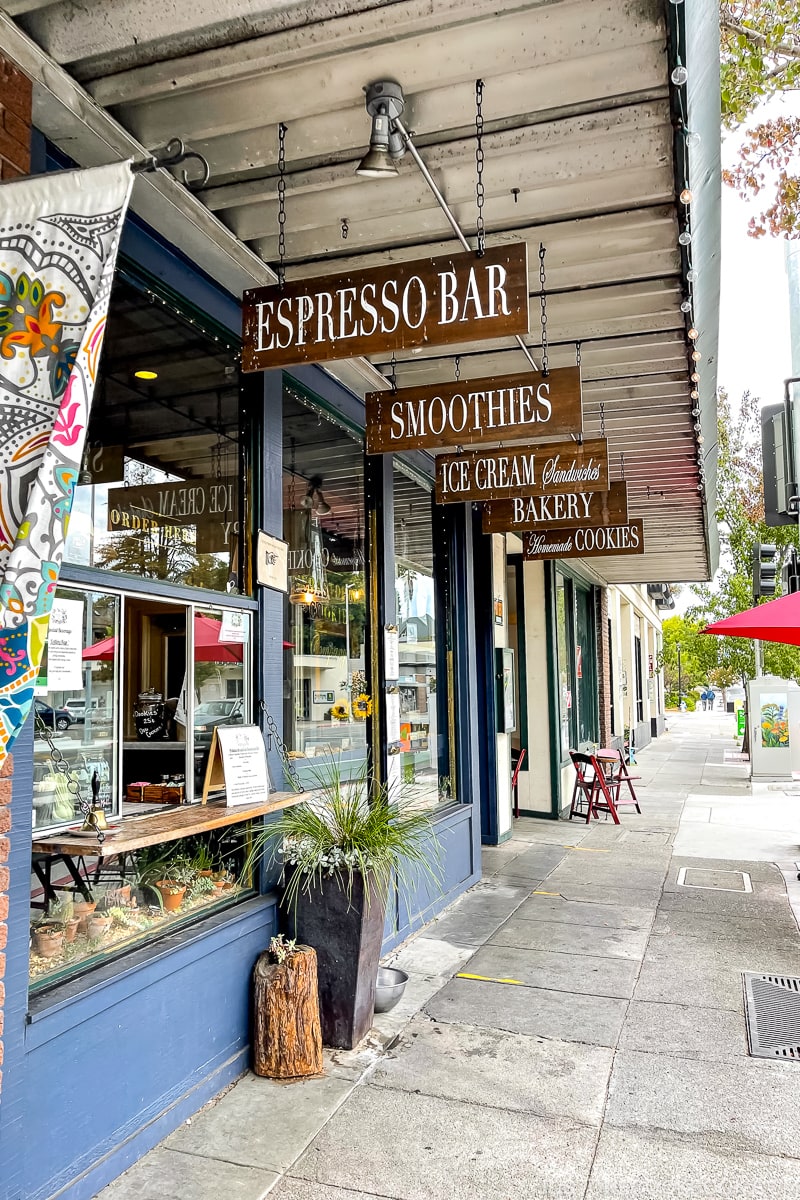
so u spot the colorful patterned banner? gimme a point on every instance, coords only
(59, 236)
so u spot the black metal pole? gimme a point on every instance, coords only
(680, 687)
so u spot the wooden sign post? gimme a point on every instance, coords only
(562, 508)
(584, 542)
(504, 474)
(512, 408)
(427, 302)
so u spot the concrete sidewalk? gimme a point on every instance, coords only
(573, 1028)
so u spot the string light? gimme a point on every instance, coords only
(693, 334)
(691, 275)
(685, 238)
(686, 306)
(679, 75)
(686, 196)
(695, 378)
(693, 139)
(696, 356)
(695, 395)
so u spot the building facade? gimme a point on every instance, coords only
(119, 1032)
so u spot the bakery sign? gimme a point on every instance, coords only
(570, 508)
(507, 408)
(399, 306)
(533, 471)
(584, 541)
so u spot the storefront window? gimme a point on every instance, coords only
(76, 707)
(162, 487)
(85, 910)
(327, 694)
(420, 734)
(563, 589)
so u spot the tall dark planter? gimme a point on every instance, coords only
(347, 937)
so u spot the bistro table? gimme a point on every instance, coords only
(146, 829)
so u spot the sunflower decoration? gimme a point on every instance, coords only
(340, 712)
(362, 707)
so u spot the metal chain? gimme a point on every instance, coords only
(480, 191)
(282, 203)
(602, 419)
(543, 302)
(577, 354)
(61, 765)
(622, 464)
(457, 367)
(393, 374)
(290, 770)
(345, 228)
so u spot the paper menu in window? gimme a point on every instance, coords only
(391, 652)
(65, 646)
(392, 717)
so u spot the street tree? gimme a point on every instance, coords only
(760, 58)
(740, 518)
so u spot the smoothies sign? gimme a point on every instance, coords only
(428, 302)
(507, 408)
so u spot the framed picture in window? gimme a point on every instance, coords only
(504, 690)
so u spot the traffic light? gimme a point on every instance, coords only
(790, 575)
(765, 569)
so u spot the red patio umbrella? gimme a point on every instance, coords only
(207, 646)
(776, 621)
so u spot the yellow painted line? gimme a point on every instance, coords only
(488, 978)
(540, 893)
(587, 849)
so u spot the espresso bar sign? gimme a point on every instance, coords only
(584, 542)
(562, 508)
(429, 302)
(537, 471)
(514, 407)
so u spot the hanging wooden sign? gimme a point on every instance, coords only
(584, 542)
(427, 302)
(512, 408)
(536, 471)
(560, 508)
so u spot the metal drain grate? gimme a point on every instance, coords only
(772, 1008)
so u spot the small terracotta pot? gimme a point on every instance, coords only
(83, 909)
(71, 929)
(48, 943)
(98, 925)
(206, 874)
(121, 896)
(171, 893)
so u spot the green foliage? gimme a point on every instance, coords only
(740, 517)
(760, 57)
(349, 827)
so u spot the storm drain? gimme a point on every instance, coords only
(713, 880)
(772, 1009)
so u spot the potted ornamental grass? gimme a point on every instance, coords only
(344, 850)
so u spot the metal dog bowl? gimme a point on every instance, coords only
(390, 985)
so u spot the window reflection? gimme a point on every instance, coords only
(417, 627)
(327, 694)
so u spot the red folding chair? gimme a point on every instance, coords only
(616, 772)
(589, 788)
(515, 781)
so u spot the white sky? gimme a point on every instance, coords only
(754, 349)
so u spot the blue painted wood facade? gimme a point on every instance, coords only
(101, 1068)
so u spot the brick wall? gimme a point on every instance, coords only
(603, 669)
(15, 122)
(15, 161)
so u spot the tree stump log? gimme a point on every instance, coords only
(287, 1038)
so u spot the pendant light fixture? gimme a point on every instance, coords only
(384, 102)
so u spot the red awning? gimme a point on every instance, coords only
(207, 646)
(776, 621)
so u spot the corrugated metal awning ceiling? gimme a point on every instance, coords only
(579, 156)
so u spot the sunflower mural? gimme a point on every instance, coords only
(774, 725)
